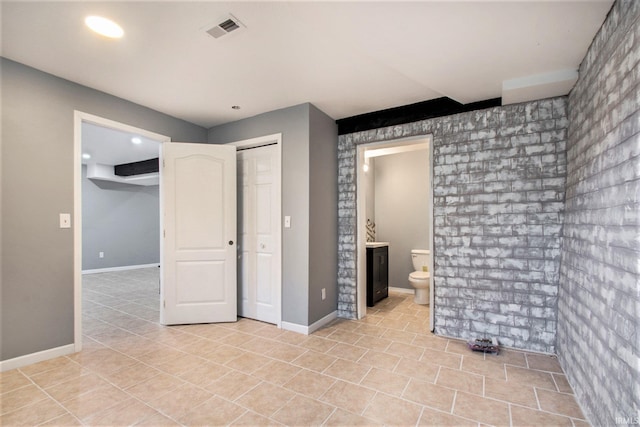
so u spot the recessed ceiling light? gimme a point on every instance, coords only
(235, 107)
(86, 156)
(104, 26)
(136, 140)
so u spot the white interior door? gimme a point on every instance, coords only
(198, 250)
(258, 233)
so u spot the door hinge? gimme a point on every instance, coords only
(164, 233)
(162, 162)
(164, 303)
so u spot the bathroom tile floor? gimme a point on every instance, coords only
(385, 369)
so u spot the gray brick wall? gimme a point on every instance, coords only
(499, 177)
(599, 295)
(347, 302)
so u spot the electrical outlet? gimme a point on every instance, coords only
(324, 294)
(65, 220)
(101, 254)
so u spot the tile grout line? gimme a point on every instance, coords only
(510, 415)
(420, 415)
(484, 386)
(535, 392)
(553, 377)
(335, 409)
(453, 402)
(435, 380)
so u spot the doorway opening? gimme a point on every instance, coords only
(100, 172)
(274, 245)
(365, 167)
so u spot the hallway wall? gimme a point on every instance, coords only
(120, 220)
(37, 307)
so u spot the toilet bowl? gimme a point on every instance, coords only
(420, 278)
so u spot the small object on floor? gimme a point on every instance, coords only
(486, 345)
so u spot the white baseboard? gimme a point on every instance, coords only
(402, 290)
(323, 322)
(294, 327)
(41, 356)
(307, 330)
(123, 268)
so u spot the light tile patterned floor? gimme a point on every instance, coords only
(385, 369)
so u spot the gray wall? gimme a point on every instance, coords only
(299, 135)
(499, 177)
(121, 220)
(599, 297)
(370, 191)
(323, 214)
(37, 184)
(401, 206)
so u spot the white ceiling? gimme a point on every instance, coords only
(347, 58)
(114, 147)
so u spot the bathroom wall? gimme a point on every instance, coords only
(499, 177)
(370, 190)
(401, 203)
(121, 220)
(599, 296)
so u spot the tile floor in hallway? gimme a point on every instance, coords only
(383, 370)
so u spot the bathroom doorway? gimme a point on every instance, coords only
(418, 153)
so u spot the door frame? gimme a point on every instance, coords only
(79, 118)
(261, 141)
(361, 220)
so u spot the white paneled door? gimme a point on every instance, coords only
(198, 249)
(258, 233)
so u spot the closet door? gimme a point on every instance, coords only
(258, 234)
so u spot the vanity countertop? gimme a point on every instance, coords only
(377, 244)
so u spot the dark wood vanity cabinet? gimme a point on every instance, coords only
(377, 274)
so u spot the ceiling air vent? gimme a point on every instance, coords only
(224, 27)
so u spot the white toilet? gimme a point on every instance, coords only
(419, 279)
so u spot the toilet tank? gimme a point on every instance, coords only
(420, 258)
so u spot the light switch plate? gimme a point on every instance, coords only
(287, 221)
(65, 220)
